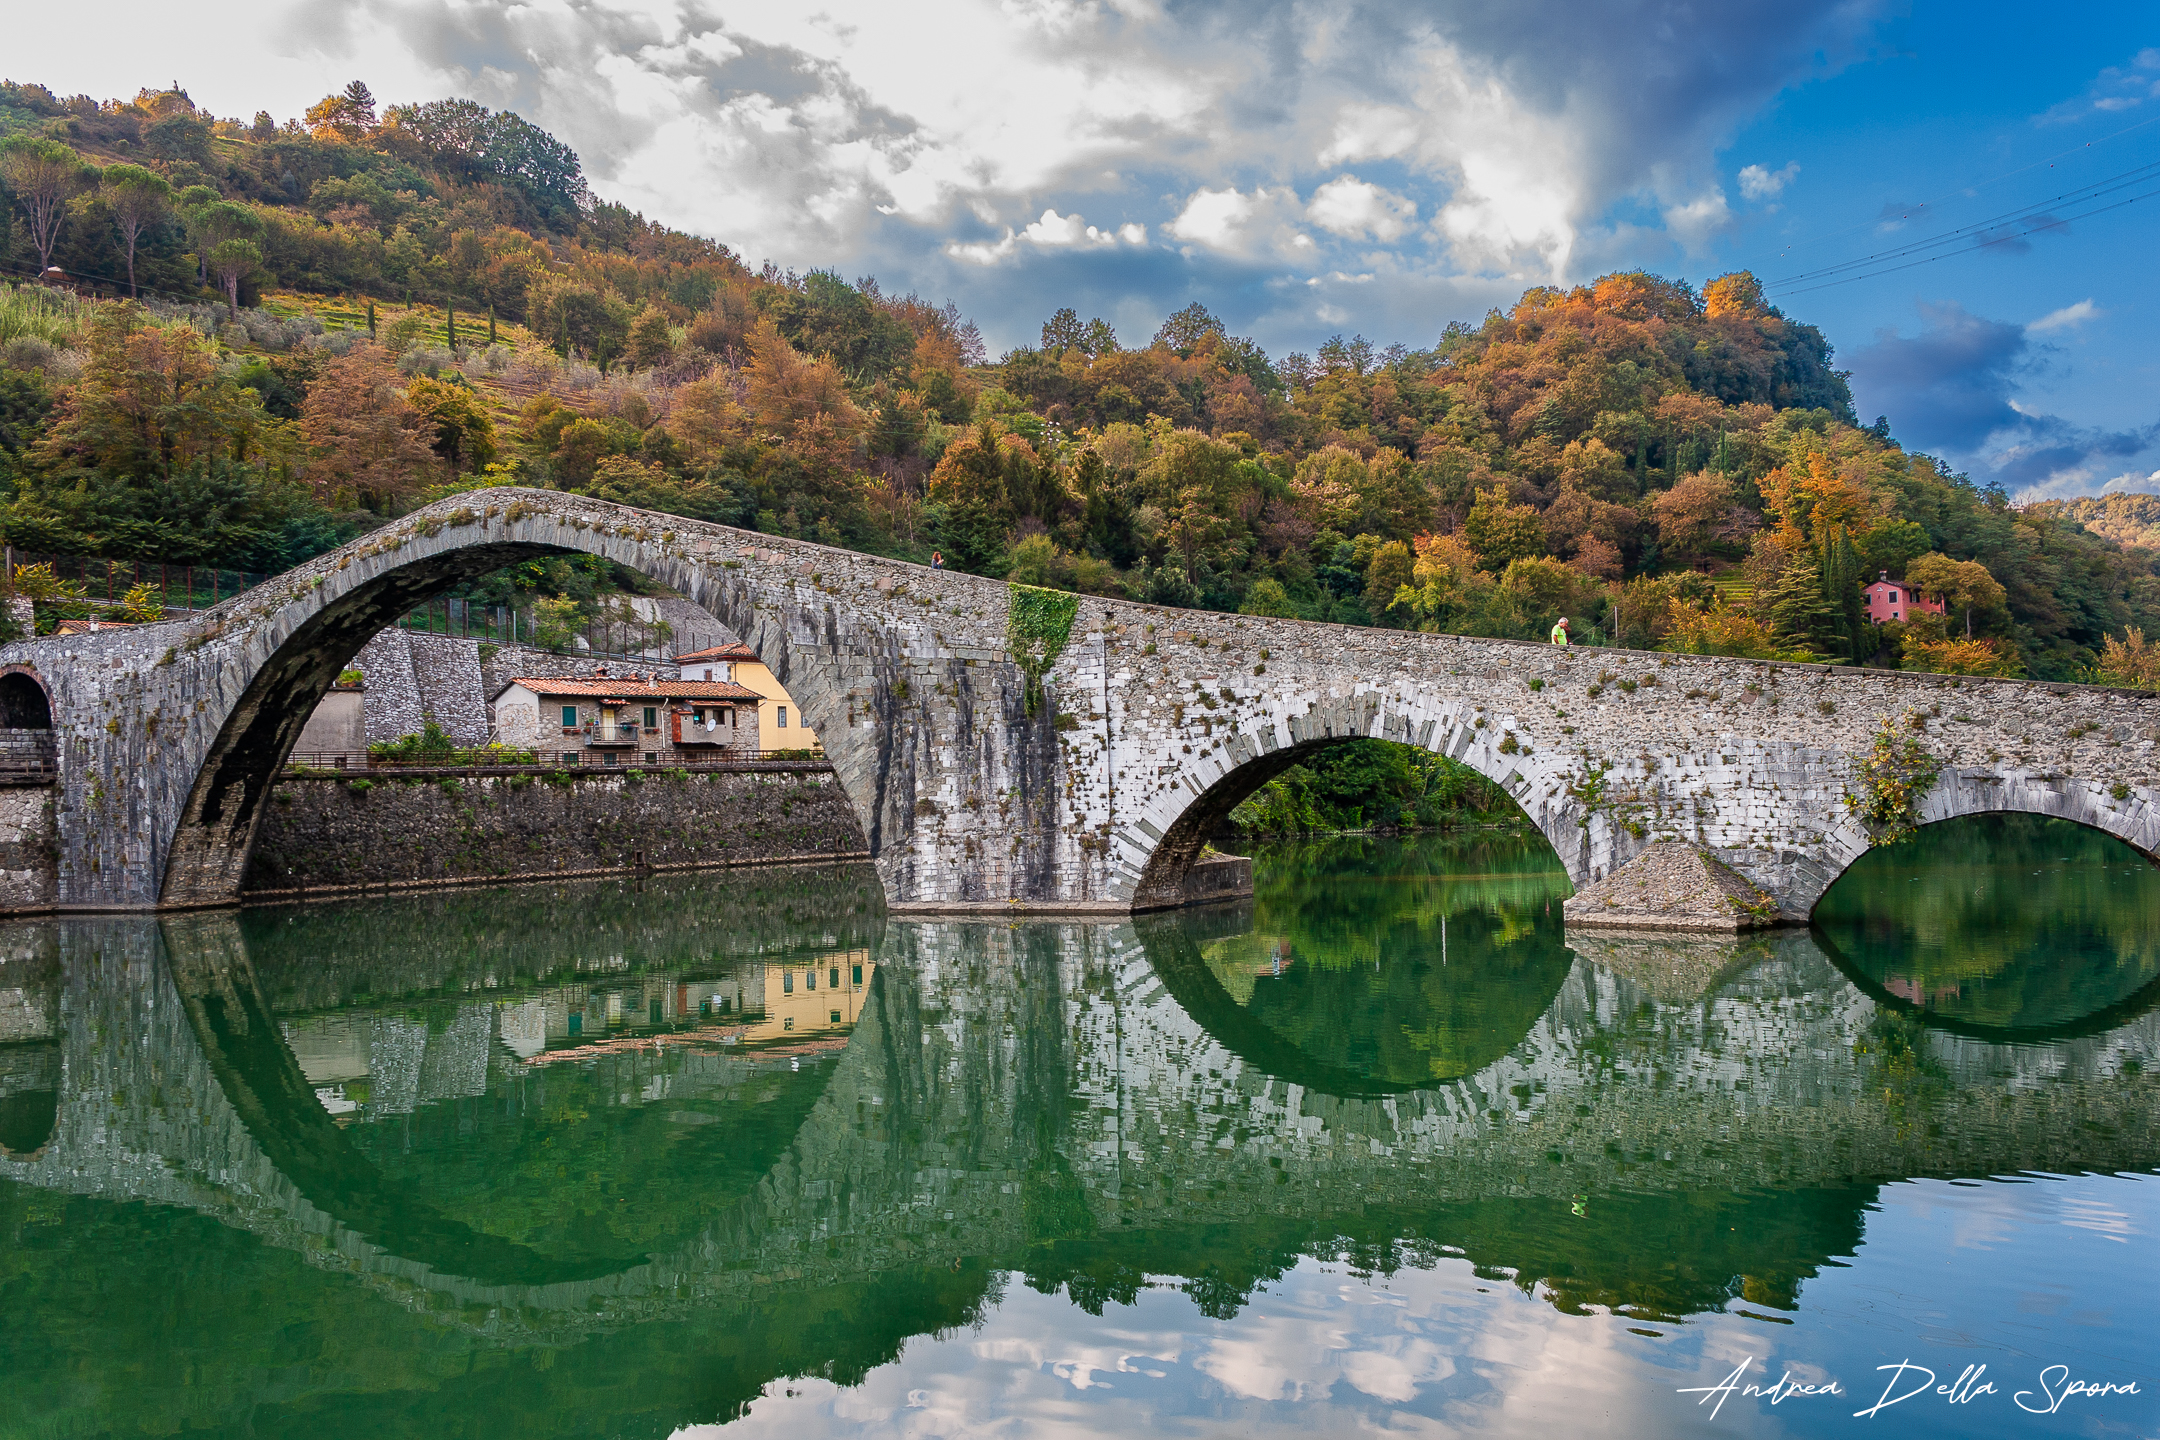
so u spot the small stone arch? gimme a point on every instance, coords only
(24, 703)
(1537, 783)
(2129, 816)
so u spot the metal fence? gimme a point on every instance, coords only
(360, 762)
(28, 755)
(175, 586)
(188, 588)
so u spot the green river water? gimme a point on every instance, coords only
(1384, 1150)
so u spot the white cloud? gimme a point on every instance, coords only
(1356, 210)
(1695, 221)
(1491, 146)
(2069, 317)
(2133, 481)
(1232, 222)
(1759, 183)
(1052, 232)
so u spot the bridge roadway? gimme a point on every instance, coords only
(1153, 724)
(1009, 1089)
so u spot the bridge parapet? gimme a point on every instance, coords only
(1153, 724)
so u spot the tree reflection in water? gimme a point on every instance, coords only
(1392, 1059)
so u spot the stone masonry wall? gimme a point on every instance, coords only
(327, 834)
(976, 791)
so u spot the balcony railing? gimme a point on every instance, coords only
(359, 763)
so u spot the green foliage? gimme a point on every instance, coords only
(1037, 625)
(1893, 778)
(1362, 784)
(433, 746)
(33, 312)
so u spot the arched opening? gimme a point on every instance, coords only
(1208, 815)
(213, 839)
(23, 702)
(2001, 926)
(1405, 927)
(434, 1123)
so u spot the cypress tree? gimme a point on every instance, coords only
(491, 322)
(1800, 612)
(450, 323)
(371, 319)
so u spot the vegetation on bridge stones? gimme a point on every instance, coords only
(1037, 625)
(1893, 778)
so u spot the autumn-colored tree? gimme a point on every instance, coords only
(1963, 585)
(1953, 656)
(345, 117)
(137, 199)
(464, 425)
(705, 417)
(152, 401)
(2132, 662)
(44, 175)
(1699, 515)
(804, 403)
(371, 444)
(1500, 532)
(1712, 629)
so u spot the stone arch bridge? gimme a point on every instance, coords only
(1151, 724)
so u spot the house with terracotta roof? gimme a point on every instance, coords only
(636, 719)
(1887, 600)
(780, 720)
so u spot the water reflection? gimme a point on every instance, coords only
(1368, 966)
(602, 1159)
(2017, 926)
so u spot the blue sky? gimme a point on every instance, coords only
(1375, 168)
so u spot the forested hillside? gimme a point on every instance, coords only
(338, 317)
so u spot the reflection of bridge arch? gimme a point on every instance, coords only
(989, 1053)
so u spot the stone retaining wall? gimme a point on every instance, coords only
(326, 835)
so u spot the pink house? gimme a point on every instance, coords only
(1889, 600)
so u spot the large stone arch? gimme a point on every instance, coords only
(1267, 744)
(174, 734)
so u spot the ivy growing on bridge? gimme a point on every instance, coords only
(1037, 625)
(1894, 777)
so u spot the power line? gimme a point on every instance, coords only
(2049, 222)
(2080, 195)
(1977, 185)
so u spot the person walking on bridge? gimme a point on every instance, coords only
(1559, 632)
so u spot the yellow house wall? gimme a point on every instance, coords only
(753, 675)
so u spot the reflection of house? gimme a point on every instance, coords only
(779, 720)
(805, 998)
(389, 1063)
(1889, 600)
(629, 720)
